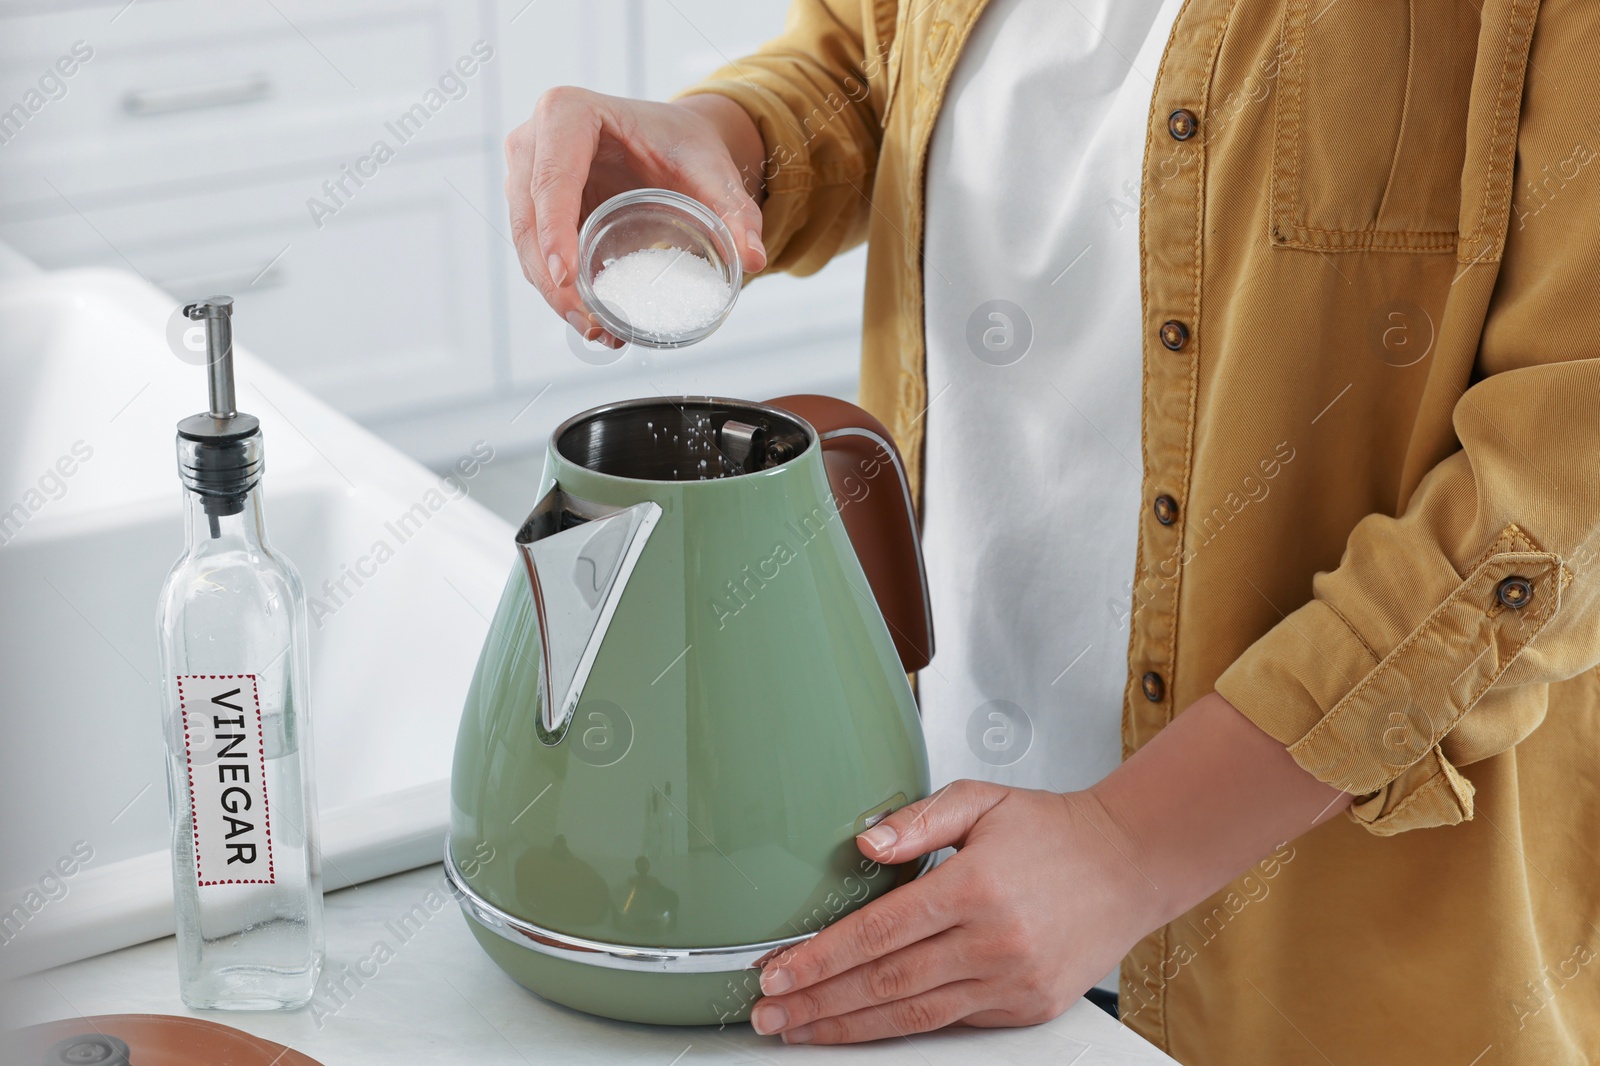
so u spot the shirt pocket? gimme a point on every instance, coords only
(1369, 132)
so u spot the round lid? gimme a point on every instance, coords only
(148, 1040)
(211, 429)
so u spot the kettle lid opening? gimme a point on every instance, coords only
(682, 438)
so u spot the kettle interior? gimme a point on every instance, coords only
(682, 439)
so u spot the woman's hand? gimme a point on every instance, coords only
(1047, 891)
(580, 148)
(1042, 900)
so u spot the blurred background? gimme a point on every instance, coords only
(234, 148)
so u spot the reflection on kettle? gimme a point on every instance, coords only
(570, 892)
(647, 905)
(729, 596)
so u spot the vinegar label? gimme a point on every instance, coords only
(224, 749)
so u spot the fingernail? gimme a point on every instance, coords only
(801, 1035)
(753, 239)
(768, 1018)
(588, 330)
(881, 837)
(558, 271)
(777, 981)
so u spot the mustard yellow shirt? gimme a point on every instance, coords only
(1371, 419)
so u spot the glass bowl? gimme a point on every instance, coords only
(660, 219)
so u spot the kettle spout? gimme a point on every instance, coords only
(579, 555)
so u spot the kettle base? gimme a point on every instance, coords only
(628, 996)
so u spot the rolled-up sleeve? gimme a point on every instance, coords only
(1432, 644)
(817, 95)
(1389, 716)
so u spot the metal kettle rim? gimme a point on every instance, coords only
(814, 438)
(644, 959)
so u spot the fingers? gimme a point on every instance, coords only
(718, 187)
(519, 200)
(587, 325)
(579, 142)
(908, 914)
(569, 124)
(923, 966)
(935, 1009)
(969, 942)
(727, 173)
(940, 821)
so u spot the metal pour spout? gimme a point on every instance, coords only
(217, 313)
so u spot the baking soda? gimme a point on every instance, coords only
(663, 291)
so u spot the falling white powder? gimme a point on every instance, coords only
(663, 292)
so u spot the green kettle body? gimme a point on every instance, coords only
(629, 836)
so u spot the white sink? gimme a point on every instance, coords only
(84, 362)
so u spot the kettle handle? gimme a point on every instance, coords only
(873, 494)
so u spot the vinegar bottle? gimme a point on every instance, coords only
(245, 864)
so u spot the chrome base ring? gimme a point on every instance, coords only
(526, 934)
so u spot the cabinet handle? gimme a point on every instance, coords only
(141, 102)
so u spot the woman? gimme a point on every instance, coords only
(1352, 340)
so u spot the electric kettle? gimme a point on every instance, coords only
(692, 697)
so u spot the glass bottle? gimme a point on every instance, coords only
(245, 862)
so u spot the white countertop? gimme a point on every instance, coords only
(439, 1000)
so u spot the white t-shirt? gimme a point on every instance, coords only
(1031, 285)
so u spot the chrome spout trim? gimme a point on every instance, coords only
(573, 620)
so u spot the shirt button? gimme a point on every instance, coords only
(1166, 509)
(1515, 592)
(1174, 334)
(1154, 688)
(1183, 124)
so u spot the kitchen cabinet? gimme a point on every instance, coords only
(386, 306)
(211, 149)
(180, 95)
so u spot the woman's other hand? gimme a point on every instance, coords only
(1042, 900)
(1046, 891)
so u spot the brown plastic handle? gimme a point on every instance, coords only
(869, 483)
